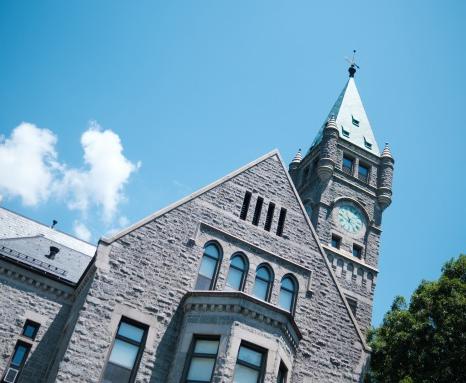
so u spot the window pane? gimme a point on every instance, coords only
(19, 356)
(249, 355)
(201, 369)
(234, 278)
(203, 283)
(29, 331)
(263, 273)
(208, 266)
(347, 163)
(285, 300)
(123, 354)
(245, 374)
(363, 170)
(287, 283)
(130, 331)
(238, 262)
(260, 289)
(212, 250)
(116, 374)
(206, 346)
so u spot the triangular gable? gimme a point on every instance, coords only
(227, 178)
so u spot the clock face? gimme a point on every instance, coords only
(350, 218)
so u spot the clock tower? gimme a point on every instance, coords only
(345, 183)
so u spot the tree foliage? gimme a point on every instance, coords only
(425, 341)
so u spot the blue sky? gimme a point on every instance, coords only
(179, 93)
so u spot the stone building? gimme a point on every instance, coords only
(266, 275)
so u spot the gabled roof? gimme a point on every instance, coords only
(66, 265)
(14, 225)
(351, 119)
(273, 153)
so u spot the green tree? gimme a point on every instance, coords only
(425, 341)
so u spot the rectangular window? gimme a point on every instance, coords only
(250, 364)
(17, 361)
(363, 172)
(201, 361)
(126, 352)
(336, 241)
(269, 218)
(30, 329)
(257, 211)
(347, 165)
(357, 251)
(281, 221)
(353, 304)
(245, 207)
(282, 373)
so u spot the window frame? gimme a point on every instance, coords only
(31, 323)
(270, 282)
(213, 281)
(344, 168)
(141, 346)
(282, 376)
(337, 238)
(359, 249)
(255, 348)
(191, 353)
(244, 271)
(294, 281)
(361, 177)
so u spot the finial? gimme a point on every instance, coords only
(353, 65)
(386, 151)
(297, 158)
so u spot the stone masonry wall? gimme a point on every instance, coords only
(151, 268)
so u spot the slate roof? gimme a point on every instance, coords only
(351, 119)
(27, 243)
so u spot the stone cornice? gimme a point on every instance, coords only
(238, 302)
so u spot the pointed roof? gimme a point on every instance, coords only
(297, 158)
(351, 120)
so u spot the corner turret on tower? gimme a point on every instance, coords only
(294, 165)
(328, 150)
(384, 190)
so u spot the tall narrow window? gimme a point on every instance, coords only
(282, 373)
(18, 359)
(336, 241)
(245, 207)
(353, 304)
(263, 283)
(257, 211)
(237, 272)
(201, 362)
(347, 165)
(269, 218)
(126, 352)
(288, 291)
(250, 364)
(30, 329)
(281, 221)
(209, 267)
(357, 251)
(363, 172)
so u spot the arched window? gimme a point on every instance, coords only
(263, 283)
(287, 298)
(209, 267)
(237, 272)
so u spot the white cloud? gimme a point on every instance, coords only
(30, 170)
(108, 170)
(81, 231)
(28, 164)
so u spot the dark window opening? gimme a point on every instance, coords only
(209, 267)
(257, 211)
(367, 144)
(269, 218)
(345, 132)
(281, 221)
(17, 361)
(357, 251)
(126, 352)
(363, 172)
(282, 373)
(336, 241)
(347, 165)
(354, 121)
(30, 329)
(250, 364)
(53, 252)
(201, 359)
(237, 272)
(245, 207)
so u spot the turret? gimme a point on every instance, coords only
(384, 191)
(328, 150)
(294, 165)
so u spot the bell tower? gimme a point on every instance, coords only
(345, 183)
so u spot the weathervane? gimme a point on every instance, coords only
(353, 65)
